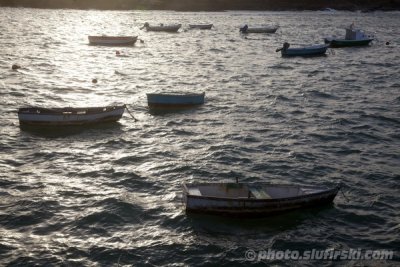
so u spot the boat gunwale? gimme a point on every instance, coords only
(112, 40)
(349, 40)
(108, 37)
(69, 110)
(311, 48)
(108, 119)
(329, 191)
(201, 26)
(176, 94)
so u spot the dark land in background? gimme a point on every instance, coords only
(209, 5)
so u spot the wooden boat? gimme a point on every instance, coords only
(200, 26)
(69, 116)
(353, 37)
(242, 199)
(335, 43)
(162, 27)
(165, 101)
(307, 51)
(259, 29)
(112, 40)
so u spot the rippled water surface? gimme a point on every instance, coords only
(111, 194)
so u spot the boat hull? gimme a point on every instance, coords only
(305, 52)
(69, 116)
(174, 101)
(335, 43)
(167, 28)
(112, 40)
(250, 207)
(260, 30)
(200, 26)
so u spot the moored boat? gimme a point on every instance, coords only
(259, 29)
(335, 43)
(307, 51)
(69, 116)
(165, 101)
(201, 26)
(258, 199)
(112, 40)
(353, 37)
(162, 28)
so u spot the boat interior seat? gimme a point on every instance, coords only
(194, 192)
(259, 193)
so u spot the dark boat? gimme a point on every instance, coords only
(69, 116)
(335, 43)
(174, 100)
(249, 200)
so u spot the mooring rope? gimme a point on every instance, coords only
(341, 190)
(130, 113)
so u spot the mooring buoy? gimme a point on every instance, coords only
(15, 66)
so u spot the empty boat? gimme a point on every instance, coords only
(112, 40)
(174, 100)
(162, 28)
(247, 199)
(69, 116)
(307, 51)
(200, 26)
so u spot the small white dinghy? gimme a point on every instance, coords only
(247, 199)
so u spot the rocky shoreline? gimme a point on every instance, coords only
(210, 5)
